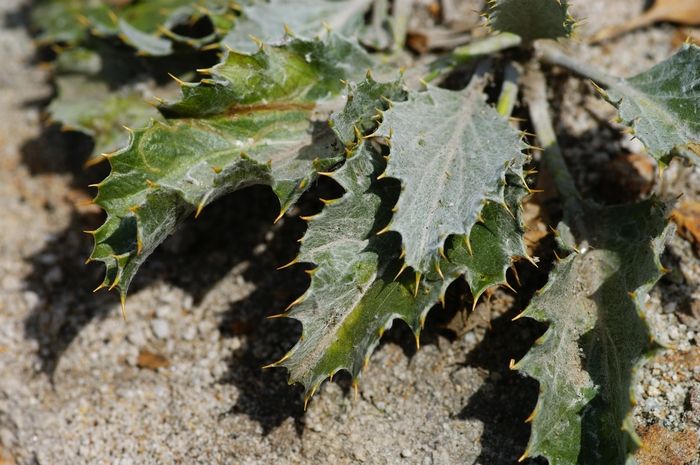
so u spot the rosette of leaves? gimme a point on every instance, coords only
(433, 183)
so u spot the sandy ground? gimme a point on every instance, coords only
(180, 381)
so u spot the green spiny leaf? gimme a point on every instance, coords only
(358, 288)
(145, 25)
(267, 20)
(366, 102)
(493, 244)
(662, 105)
(148, 26)
(586, 361)
(248, 124)
(451, 152)
(90, 106)
(62, 20)
(352, 297)
(532, 19)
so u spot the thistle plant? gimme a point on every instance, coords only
(434, 178)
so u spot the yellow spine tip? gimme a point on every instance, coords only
(383, 230)
(200, 207)
(293, 262)
(177, 79)
(525, 455)
(439, 271)
(275, 316)
(532, 416)
(299, 300)
(114, 284)
(95, 160)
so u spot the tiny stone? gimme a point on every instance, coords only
(163, 311)
(32, 298)
(160, 328)
(317, 428)
(406, 453)
(189, 333)
(137, 338)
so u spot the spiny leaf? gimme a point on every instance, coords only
(352, 297)
(90, 106)
(248, 124)
(145, 25)
(358, 288)
(451, 152)
(597, 338)
(62, 20)
(366, 101)
(267, 20)
(148, 26)
(532, 19)
(493, 244)
(662, 105)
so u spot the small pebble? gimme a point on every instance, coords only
(161, 328)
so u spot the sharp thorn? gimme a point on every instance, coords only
(439, 271)
(403, 268)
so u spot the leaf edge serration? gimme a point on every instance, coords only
(588, 395)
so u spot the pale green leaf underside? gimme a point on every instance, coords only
(250, 123)
(597, 337)
(355, 293)
(266, 20)
(662, 105)
(532, 19)
(90, 106)
(451, 152)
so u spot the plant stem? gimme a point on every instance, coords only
(509, 90)
(401, 13)
(486, 46)
(536, 96)
(554, 55)
(465, 53)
